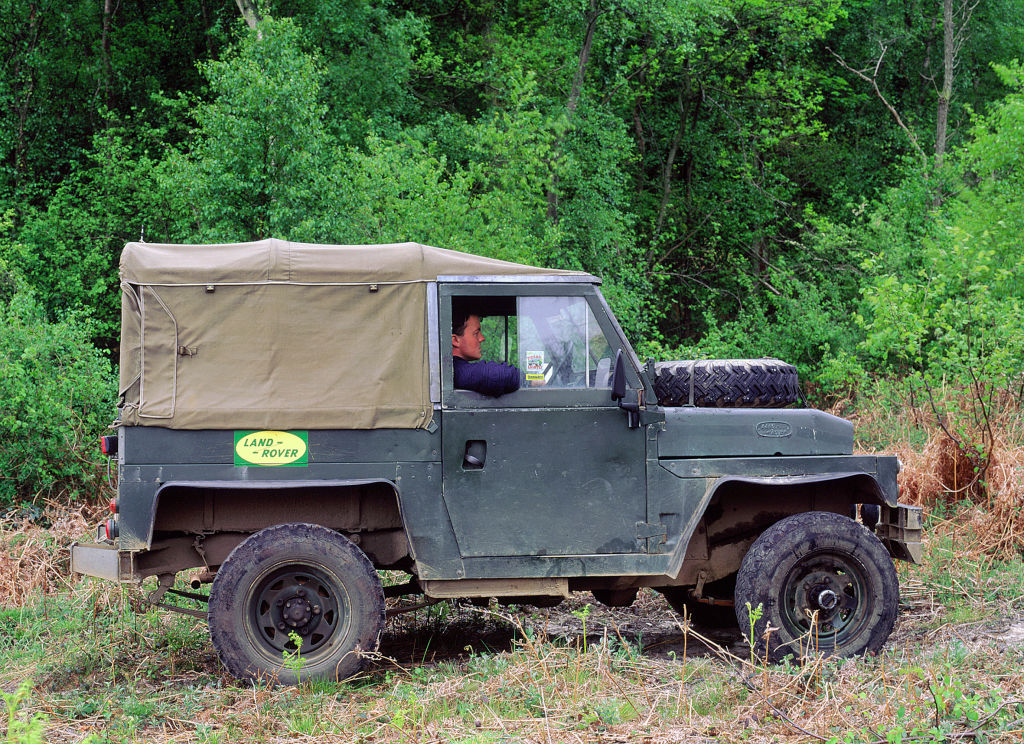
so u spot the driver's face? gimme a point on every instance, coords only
(467, 345)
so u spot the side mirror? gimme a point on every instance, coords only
(630, 403)
(619, 377)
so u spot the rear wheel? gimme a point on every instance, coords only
(824, 583)
(295, 582)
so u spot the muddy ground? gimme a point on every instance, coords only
(450, 631)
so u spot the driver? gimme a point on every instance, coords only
(489, 378)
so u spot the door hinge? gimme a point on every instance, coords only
(650, 536)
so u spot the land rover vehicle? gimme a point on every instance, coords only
(288, 425)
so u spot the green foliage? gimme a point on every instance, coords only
(955, 709)
(56, 394)
(69, 250)
(946, 299)
(367, 52)
(740, 192)
(22, 729)
(62, 73)
(258, 161)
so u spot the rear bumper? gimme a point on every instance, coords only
(102, 561)
(899, 529)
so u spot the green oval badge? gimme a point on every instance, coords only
(271, 448)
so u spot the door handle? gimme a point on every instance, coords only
(475, 456)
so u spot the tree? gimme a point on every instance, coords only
(258, 159)
(949, 304)
(69, 251)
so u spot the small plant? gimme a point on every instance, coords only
(22, 729)
(753, 614)
(207, 735)
(583, 613)
(293, 659)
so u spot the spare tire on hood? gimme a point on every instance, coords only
(726, 383)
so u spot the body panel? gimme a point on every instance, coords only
(743, 432)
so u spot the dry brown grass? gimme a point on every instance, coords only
(971, 466)
(35, 552)
(989, 513)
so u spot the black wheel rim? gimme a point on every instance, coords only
(306, 600)
(825, 596)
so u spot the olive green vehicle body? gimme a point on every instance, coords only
(565, 489)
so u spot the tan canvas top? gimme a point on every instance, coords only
(280, 335)
(284, 261)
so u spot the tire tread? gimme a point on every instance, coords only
(727, 383)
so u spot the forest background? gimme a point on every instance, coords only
(838, 183)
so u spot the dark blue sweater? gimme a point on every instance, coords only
(489, 378)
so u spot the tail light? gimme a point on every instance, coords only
(108, 445)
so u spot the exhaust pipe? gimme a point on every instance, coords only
(203, 577)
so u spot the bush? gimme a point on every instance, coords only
(56, 395)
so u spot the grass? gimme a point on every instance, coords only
(95, 669)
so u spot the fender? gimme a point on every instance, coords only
(876, 483)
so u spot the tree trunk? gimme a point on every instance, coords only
(206, 28)
(23, 93)
(108, 14)
(666, 176)
(249, 12)
(590, 17)
(955, 22)
(946, 93)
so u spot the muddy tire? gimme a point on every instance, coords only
(824, 583)
(726, 383)
(295, 578)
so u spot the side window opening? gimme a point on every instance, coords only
(501, 334)
(554, 341)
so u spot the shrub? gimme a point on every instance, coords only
(56, 394)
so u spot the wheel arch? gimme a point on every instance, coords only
(735, 510)
(855, 487)
(368, 507)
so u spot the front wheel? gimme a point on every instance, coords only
(824, 583)
(295, 582)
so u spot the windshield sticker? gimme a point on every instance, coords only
(535, 365)
(272, 448)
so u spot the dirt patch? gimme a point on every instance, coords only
(1013, 635)
(649, 625)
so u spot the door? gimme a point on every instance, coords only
(552, 468)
